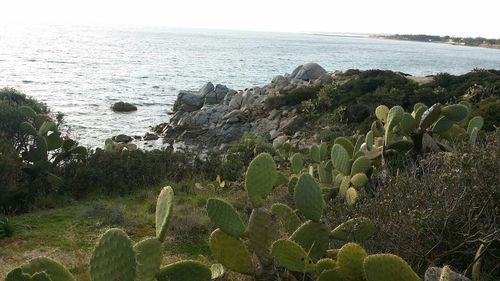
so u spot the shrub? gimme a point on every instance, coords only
(439, 210)
(294, 97)
(489, 109)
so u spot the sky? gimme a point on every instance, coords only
(436, 17)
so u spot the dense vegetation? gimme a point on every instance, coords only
(467, 41)
(406, 169)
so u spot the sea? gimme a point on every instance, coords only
(81, 71)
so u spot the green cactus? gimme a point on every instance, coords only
(224, 216)
(325, 264)
(260, 178)
(344, 185)
(54, 270)
(418, 111)
(164, 206)
(359, 180)
(354, 230)
(361, 165)
(408, 124)
(314, 153)
(280, 179)
(381, 113)
(430, 116)
(332, 253)
(345, 143)
(473, 136)
(231, 252)
(113, 258)
(291, 256)
(286, 216)
(313, 238)
(400, 146)
(148, 253)
(262, 232)
(394, 117)
(17, 274)
(455, 112)
(323, 151)
(332, 275)
(325, 172)
(351, 196)
(291, 184)
(442, 125)
(350, 261)
(185, 271)
(369, 140)
(341, 159)
(308, 197)
(476, 122)
(297, 163)
(387, 267)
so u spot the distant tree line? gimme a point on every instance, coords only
(468, 41)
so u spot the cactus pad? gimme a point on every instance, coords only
(286, 216)
(430, 116)
(359, 180)
(230, 252)
(113, 258)
(381, 113)
(369, 140)
(291, 184)
(313, 238)
(387, 267)
(345, 143)
(351, 196)
(361, 165)
(324, 265)
(442, 125)
(323, 151)
(260, 178)
(297, 163)
(308, 197)
(350, 261)
(164, 206)
(344, 185)
(341, 159)
(17, 274)
(325, 172)
(262, 232)
(54, 270)
(408, 123)
(148, 256)
(224, 216)
(332, 275)
(185, 271)
(476, 122)
(356, 230)
(291, 256)
(314, 153)
(455, 112)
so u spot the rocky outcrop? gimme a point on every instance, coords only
(123, 107)
(122, 138)
(214, 115)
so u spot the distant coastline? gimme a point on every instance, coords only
(459, 41)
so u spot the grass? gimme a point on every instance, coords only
(69, 233)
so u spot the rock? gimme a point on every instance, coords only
(291, 125)
(280, 140)
(206, 89)
(123, 107)
(150, 136)
(236, 100)
(307, 72)
(229, 95)
(433, 274)
(188, 101)
(247, 99)
(217, 95)
(238, 114)
(122, 138)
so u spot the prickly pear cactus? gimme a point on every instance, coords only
(408, 124)
(387, 267)
(260, 178)
(308, 197)
(286, 216)
(291, 184)
(359, 180)
(455, 112)
(113, 258)
(341, 159)
(313, 238)
(185, 271)
(262, 232)
(224, 216)
(361, 165)
(345, 143)
(291, 256)
(430, 116)
(351, 196)
(54, 270)
(442, 125)
(355, 230)
(381, 113)
(297, 163)
(323, 151)
(230, 252)
(324, 265)
(350, 261)
(164, 206)
(314, 153)
(148, 254)
(332, 275)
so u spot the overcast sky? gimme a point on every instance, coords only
(438, 17)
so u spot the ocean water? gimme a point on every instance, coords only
(82, 71)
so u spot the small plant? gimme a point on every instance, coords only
(6, 228)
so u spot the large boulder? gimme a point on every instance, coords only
(217, 95)
(188, 101)
(236, 100)
(123, 107)
(307, 72)
(122, 138)
(206, 89)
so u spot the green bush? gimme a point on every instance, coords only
(295, 97)
(438, 210)
(489, 109)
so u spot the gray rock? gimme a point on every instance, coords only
(122, 138)
(307, 72)
(236, 100)
(187, 101)
(229, 95)
(291, 125)
(433, 274)
(280, 140)
(150, 136)
(247, 99)
(123, 107)
(217, 95)
(207, 88)
(238, 114)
